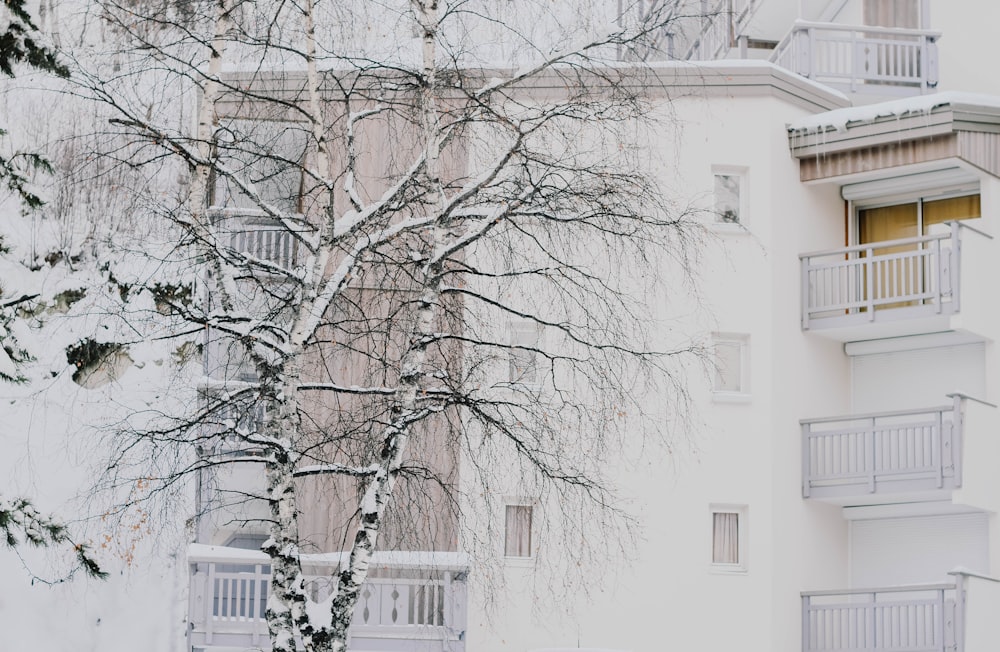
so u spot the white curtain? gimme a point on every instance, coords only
(725, 538)
(517, 541)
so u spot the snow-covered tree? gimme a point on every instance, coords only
(413, 240)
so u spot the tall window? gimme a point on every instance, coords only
(729, 541)
(517, 531)
(732, 364)
(727, 198)
(729, 193)
(525, 338)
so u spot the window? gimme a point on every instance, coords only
(908, 14)
(732, 364)
(517, 531)
(729, 538)
(525, 338)
(729, 194)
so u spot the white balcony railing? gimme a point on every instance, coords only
(853, 285)
(915, 618)
(723, 26)
(258, 236)
(882, 452)
(895, 60)
(411, 596)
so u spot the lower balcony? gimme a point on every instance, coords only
(954, 616)
(411, 601)
(884, 457)
(919, 618)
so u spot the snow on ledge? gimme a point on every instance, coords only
(839, 119)
(203, 553)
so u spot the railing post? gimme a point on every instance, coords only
(940, 621)
(805, 293)
(805, 623)
(940, 274)
(869, 268)
(955, 266)
(957, 437)
(806, 467)
(958, 621)
(856, 61)
(872, 451)
(931, 73)
(942, 449)
(253, 605)
(809, 49)
(210, 604)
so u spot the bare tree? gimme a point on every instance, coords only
(420, 234)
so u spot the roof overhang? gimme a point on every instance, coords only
(927, 131)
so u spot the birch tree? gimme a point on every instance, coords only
(419, 233)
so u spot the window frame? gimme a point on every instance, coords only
(742, 512)
(532, 531)
(743, 394)
(743, 205)
(519, 339)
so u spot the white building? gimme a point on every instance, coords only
(842, 495)
(840, 492)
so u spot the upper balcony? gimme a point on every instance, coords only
(411, 601)
(878, 60)
(893, 288)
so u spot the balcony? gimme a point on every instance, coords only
(885, 61)
(264, 240)
(955, 616)
(918, 618)
(888, 289)
(412, 600)
(884, 456)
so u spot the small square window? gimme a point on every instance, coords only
(732, 364)
(517, 531)
(729, 538)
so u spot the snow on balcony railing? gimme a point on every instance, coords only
(258, 236)
(865, 451)
(895, 59)
(418, 595)
(851, 285)
(915, 618)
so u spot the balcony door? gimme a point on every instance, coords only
(907, 268)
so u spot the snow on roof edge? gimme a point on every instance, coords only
(200, 552)
(839, 119)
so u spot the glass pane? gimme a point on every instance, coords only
(887, 223)
(954, 208)
(725, 538)
(727, 198)
(728, 366)
(517, 540)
